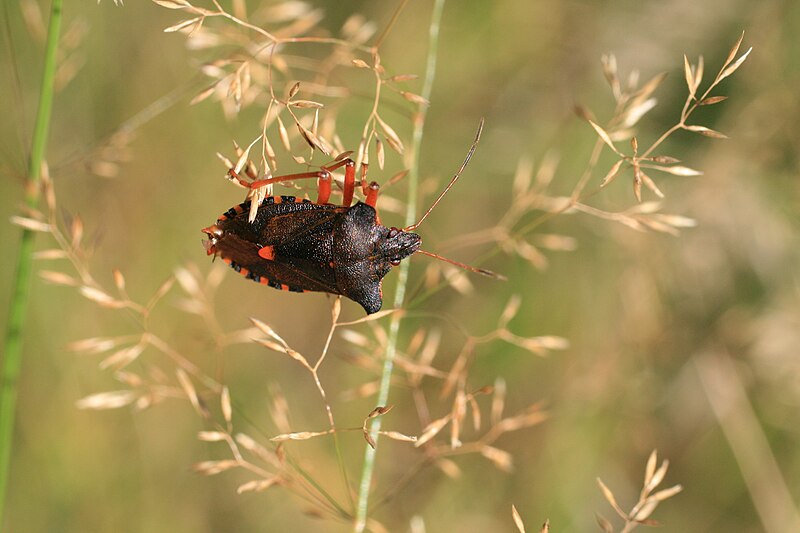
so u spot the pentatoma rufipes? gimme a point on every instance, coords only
(297, 245)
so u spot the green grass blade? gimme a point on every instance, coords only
(12, 360)
(402, 278)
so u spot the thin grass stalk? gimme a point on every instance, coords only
(402, 278)
(19, 300)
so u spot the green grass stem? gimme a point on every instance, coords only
(12, 360)
(368, 468)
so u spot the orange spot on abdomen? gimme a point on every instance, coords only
(267, 252)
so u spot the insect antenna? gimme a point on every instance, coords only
(452, 181)
(481, 271)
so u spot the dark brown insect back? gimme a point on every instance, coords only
(297, 245)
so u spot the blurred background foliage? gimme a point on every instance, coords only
(688, 344)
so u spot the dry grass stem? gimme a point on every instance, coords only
(298, 78)
(734, 412)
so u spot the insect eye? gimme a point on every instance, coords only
(394, 232)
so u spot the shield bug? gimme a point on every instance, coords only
(297, 245)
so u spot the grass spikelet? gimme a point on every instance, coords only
(450, 353)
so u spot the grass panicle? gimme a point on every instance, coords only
(426, 403)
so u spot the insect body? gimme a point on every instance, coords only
(297, 245)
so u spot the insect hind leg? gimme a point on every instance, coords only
(323, 182)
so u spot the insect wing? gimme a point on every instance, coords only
(294, 241)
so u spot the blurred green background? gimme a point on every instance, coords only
(688, 344)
